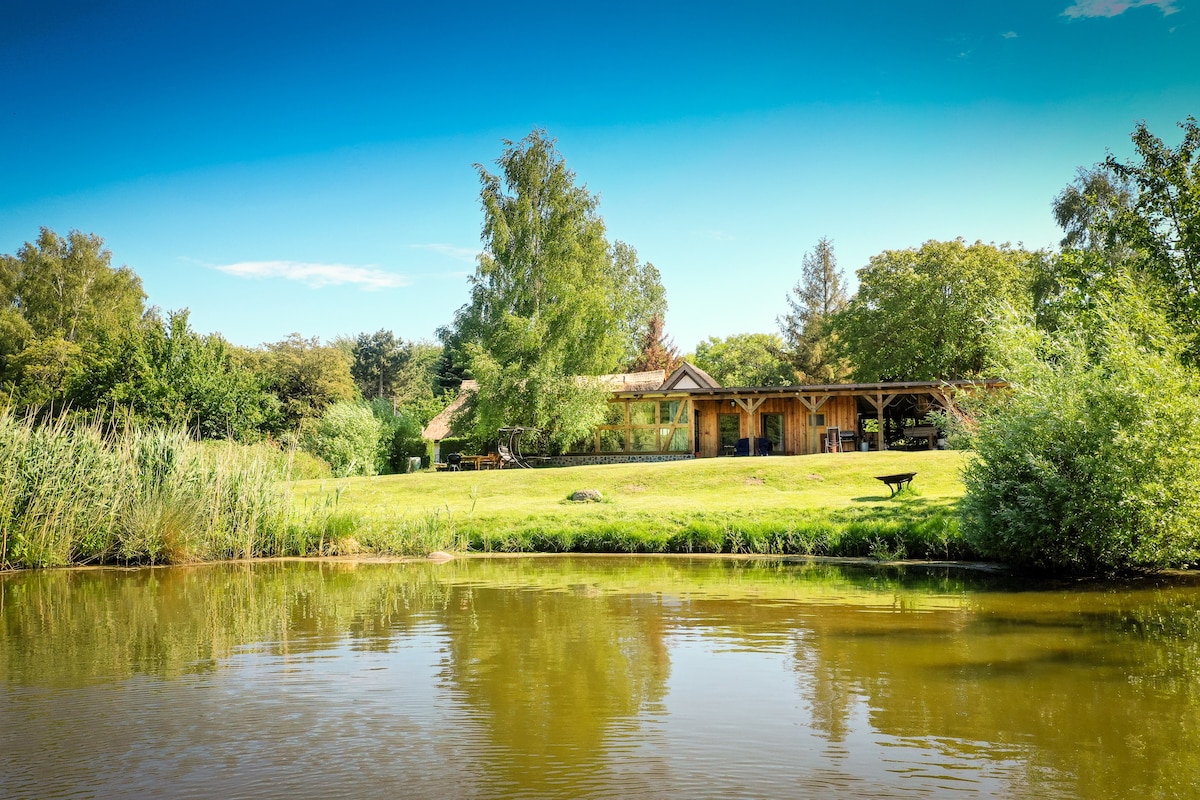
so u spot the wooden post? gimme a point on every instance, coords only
(880, 402)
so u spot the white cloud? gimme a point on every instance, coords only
(317, 276)
(1009, 35)
(717, 236)
(1113, 8)
(467, 254)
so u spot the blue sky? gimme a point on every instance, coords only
(304, 166)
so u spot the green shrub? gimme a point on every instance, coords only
(347, 436)
(399, 439)
(1092, 465)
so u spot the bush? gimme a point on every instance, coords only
(400, 437)
(1092, 466)
(347, 436)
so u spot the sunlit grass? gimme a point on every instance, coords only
(820, 505)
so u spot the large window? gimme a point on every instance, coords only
(645, 426)
(729, 428)
(772, 431)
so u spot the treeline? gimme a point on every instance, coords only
(1091, 462)
(77, 340)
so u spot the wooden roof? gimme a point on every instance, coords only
(832, 389)
(689, 376)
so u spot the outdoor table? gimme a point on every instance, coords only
(896, 482)
(479, 462)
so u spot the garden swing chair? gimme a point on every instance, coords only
(508, 447)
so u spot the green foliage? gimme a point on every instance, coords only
(68, 288)
(348, 436)
(1094, 194)
(399, 437)
(167, 374)
(550, 299)
(745, 359)
(815, 299)
(1092, 465)
(61, 302)
(306, 376)
(394, 369)
(1162, 226)
(921, 314)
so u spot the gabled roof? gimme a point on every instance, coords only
(439, 427)
(689, 376)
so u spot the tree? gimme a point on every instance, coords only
(638, 297)
(306, 376)
(658, 351)
(348, 436)
(550, 299)
(1163, 223)
(68, 287)
(1084, 468)
(745, 359)
(62, 307)
(168, 374)
(1095, 193)
(378, 360)
(816, 297)
(923, 313)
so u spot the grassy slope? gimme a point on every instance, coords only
(822, 504)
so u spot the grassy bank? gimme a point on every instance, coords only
(816, 505)
(85, 495)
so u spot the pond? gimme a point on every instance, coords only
(588, 677)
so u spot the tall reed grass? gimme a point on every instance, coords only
(74, 493)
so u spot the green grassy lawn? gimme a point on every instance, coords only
(821, 504)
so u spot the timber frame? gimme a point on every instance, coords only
(796, 419)
(654, 416)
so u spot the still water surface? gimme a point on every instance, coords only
(594, 677)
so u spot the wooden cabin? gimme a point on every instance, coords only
(691, 413)
(687, 414)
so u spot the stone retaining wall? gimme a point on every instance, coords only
(581, 460)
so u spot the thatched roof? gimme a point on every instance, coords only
(439, 427)
(634, 381)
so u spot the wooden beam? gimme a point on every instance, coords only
(750, 405)
(880, 402)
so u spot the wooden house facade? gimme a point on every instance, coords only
(688, 415)
(694, 415)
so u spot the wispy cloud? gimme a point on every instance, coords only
(1009, 35)
(717, 236)
(317, 276)
(467, 254)
(1113, 8)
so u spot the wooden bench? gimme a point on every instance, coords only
(896, 482)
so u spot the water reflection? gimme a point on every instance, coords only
(591, 677)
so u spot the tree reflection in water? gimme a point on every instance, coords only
(576, 677)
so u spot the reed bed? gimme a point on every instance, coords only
(74, 493)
